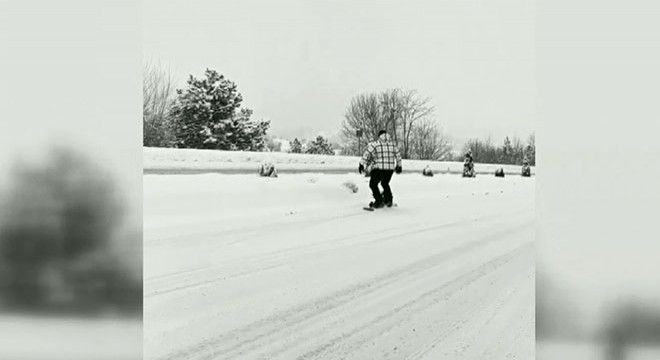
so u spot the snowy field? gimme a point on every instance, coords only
(159, 161)
(61, 338)
(549, 350)
(242, 267)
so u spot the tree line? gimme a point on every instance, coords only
(512, 152)
(209, 114)
(410, 119)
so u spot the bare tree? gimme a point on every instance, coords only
(157, 98)
(518, 151)
(364, 113)
(429, 142)
(482, 151)
(391, 109)
(413, 109)
(394, 110)
(271, 145)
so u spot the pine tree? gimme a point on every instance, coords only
(296, 146)
(530, 150)
(207, 116)
(320, 146)
(507, 152)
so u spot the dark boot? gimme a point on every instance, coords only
(387, 200)
(376, 204)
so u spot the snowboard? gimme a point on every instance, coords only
(369, 208)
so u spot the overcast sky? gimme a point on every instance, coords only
(298, 63)
(70, 76)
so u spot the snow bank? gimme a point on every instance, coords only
(172, 161)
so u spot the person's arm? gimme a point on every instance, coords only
(368, 154)
(397, 156)
(366, 158)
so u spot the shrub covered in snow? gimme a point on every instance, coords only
(526, 170)
(468, 165)
(268, 170)
(320, 146)
(468, 170)
(427, 171)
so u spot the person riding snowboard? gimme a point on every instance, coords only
(383, 158)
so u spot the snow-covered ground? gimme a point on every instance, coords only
(550, 350)
(242, 267)
(157, 160)
(63, 338)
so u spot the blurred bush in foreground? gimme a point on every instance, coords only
(63, 243)
(631, 324)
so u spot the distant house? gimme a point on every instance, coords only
(285, 144)
(454, 155)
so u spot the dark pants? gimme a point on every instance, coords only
(382, 177)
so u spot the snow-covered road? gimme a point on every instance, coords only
(242, 267)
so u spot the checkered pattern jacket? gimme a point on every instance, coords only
(381, 154)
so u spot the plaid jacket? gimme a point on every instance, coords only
(382, 155)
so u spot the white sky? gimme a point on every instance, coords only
(597, 200)
(298, 63)
(69, 77)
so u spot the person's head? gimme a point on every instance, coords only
(382, 135)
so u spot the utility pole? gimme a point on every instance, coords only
(393, 118)
(359, 136)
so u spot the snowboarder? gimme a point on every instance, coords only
(383, 158)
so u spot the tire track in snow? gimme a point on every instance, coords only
(281, 257)
(384, 323)
(243, 233)
(247, 230)
(512, 299)
(249, 337)
(270, 261)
